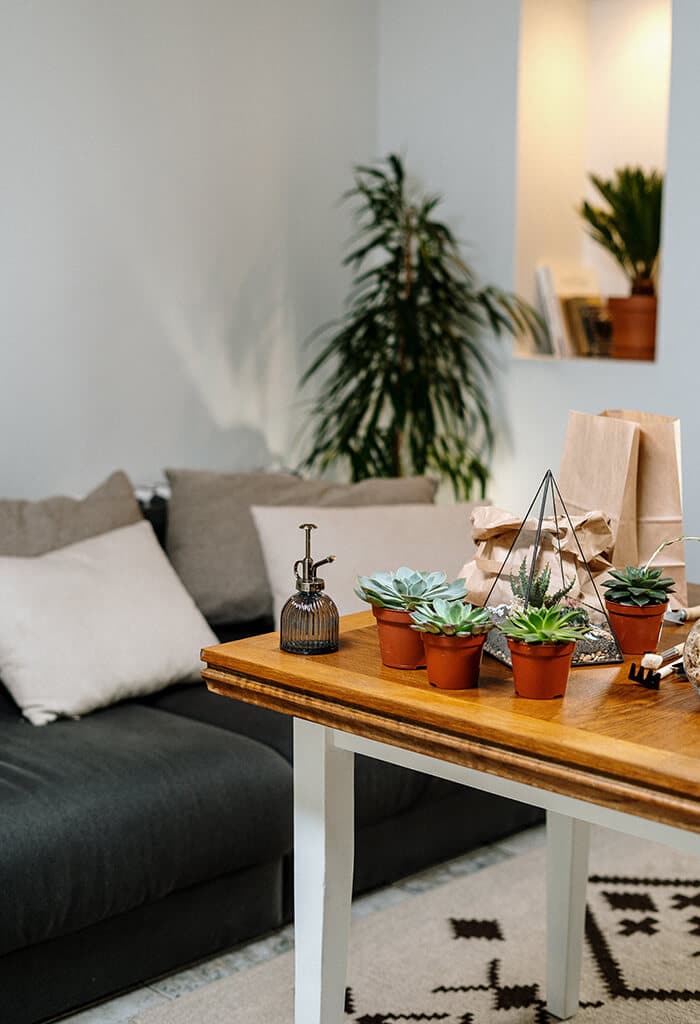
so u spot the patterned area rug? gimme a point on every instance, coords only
(473, 951)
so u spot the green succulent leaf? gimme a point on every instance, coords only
(451, 618)
(555, 625)
(638, 586)
(537, 592)
(406, 589)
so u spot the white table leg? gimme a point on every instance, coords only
(567, 875)
(323, 862)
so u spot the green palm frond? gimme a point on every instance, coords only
(630, 227)
(407, 372)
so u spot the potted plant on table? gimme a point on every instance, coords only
(630, 229)
(636, 601)
(542, 642)
(453, 634)
(393, 595)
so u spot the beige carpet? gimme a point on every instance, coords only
(473, 951)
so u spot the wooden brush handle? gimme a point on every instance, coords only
(669, 670)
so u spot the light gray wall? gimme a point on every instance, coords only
(169, 227)
(448, 99)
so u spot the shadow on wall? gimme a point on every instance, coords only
(236, 343)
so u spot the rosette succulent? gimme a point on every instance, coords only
(555, 625)
(451, 618)
(405, 590)
(640, 587)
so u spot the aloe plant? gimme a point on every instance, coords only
(554, 625)
(451, 618)
(406, 589)
(537, 592)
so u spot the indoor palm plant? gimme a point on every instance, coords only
(542, 642)
(629, 227)
(453, 635)
(407, 370)
(393, 595)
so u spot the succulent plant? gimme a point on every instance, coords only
(451, 618)
(640, 587)
(406, 589)
(554, 625)
(538, 595)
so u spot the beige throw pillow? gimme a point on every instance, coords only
(33, 527)
(364, 541)
(94, 623)
(212, 541)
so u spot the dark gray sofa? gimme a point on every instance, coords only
(159, 831)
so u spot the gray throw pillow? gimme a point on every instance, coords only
(214, 545)
(29, 528)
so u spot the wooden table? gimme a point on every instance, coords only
(610, 753)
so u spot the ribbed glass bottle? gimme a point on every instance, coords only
(309, 624)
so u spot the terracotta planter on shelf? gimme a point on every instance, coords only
(400, 645)
(540, 671)
(633, 327)
(453, 662)
(636, 629)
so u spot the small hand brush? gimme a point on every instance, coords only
(655, 661)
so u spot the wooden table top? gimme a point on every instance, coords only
(608, 741)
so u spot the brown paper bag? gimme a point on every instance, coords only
(628, 464)
(494, 531)
(659, 493)
(599, 471)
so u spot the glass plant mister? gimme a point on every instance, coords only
(309, 622)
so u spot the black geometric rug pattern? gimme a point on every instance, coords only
(473, 951)
(634, 927)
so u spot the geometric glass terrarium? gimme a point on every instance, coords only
(546, 565)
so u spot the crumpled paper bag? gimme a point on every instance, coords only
(494, 530)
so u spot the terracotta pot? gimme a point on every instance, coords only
(540, 671)
(453, 661)
(399, 645)
(633, 327)
(636, 629)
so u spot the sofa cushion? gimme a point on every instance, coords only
(365, 541)
(118, 810)
(381, 790)
(94, 623)
(213, 543)
(30, 528)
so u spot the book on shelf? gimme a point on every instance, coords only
(566, 295)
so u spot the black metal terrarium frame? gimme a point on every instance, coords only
(599, 647)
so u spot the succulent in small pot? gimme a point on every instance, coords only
(542, 642)
(636, 600)
(453, 634)
(392, 596)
